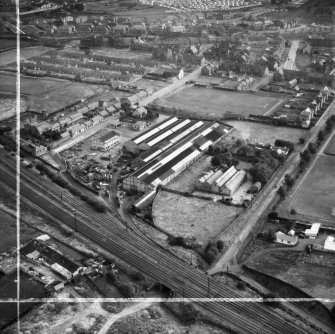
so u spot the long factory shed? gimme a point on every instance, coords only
(167, 162)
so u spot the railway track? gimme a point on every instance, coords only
(107, 230)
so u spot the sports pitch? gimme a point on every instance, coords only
(47, 94)
(214, 102)
(316, 196)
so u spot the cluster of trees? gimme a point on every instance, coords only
(266, 162)
(62, 182)
(285, 143)
(126, 288)
(212, 251)
(221, 156)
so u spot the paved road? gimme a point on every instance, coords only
(238, 231)
(290, 62)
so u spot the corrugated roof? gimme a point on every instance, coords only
(235, 179)
(226, 176)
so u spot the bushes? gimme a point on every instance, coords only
(111, 277)
(241, 285)
(285, 143)
(189, 314)
(137, 276)
(220, 245)
(177, 241)
(126, 289)
(212, 251)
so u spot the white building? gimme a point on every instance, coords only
(106, 142)
(282, 238)
(313, 231)
(330, 243)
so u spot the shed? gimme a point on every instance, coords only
(313, 231)
(282, 238)
(330, 243)
(255, 188)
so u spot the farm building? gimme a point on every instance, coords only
(208, 181)
(106, 141)
(282, 238)
(330, 243)
(168, 132)
(139, 125)
(234, 183)
(163, 166)
(139, 112)
(313, 231)
(219, 185)
(201, 183)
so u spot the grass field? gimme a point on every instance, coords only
(29, 288)
(217, 103)
(266, 134)
(191, 217)
(316, 196)
(313, 273)
(330, 149)
(47, 94)
(8, 57)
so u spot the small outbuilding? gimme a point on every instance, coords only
(289, 240)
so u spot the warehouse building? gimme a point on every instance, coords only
(208, 182)
(234, 183)
(164, 135)
(106, 142)
(162, 167)
(218, 185)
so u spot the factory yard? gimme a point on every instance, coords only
(330, 149)
(263, 133)
(191, 217)
(47, 94)
(315, 197)
(216, 103)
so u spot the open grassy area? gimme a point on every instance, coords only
(312, 273)
(330, 149)
(266, 134)
(47, 94)
(214, 102)
(191, 217)
(315, 197)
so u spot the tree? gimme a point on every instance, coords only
(321, 136)
(306, 156)
(111, 276)
(271, 235)
(220, 245)
(216, 161)
(289, 180)
(273, 215)
(302, 141)
(281, 192)
(311, 148)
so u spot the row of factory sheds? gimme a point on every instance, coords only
(224, 182)
(170, 148)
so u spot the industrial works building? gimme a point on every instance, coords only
(178, 144)
(221, 182)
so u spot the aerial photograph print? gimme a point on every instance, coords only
(167, 166)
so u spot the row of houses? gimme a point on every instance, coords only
(174, 155)
(70, 123)
(221, 182)
(314, 107)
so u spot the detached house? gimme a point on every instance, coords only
(289, 240)
(106, 142)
